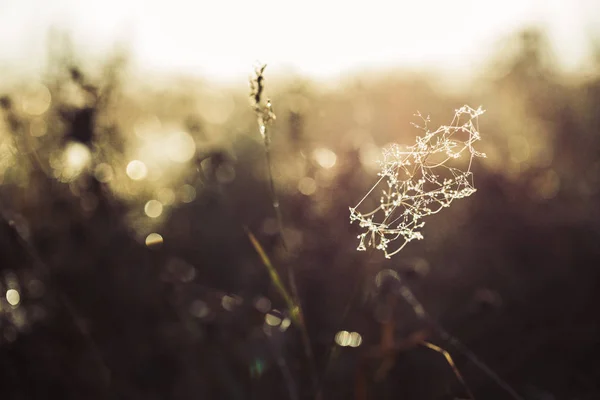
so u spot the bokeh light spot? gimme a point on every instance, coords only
(154, 240)
(285, 324)
(77, 155)
(342, 338)
(355, 339)
(144, 127)
(307, 186)
(74, 160)
(325, 157)
(37, 127)
(166, 196)
(153, 208)
(199, 309)
(180, 147)
(103, 172)
(187, 193)
(369, 155)
(273, 318)
(136, 170)
(13, 297)
(262, 304)
(36, 100)
(228, 302)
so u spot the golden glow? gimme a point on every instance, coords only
(325, 157)
(136, 170)
(307, 186)
(450, 35)
(75, 158)
(154, 240)
(216, 107)
(153, 208)
(180, 147)
(78, 155)
(369, 155)
(519, 149)
(147, 126)
(37, 127)
(36, 100)
(13, 297)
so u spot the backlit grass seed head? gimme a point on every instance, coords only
(263, 109)
(418, 181)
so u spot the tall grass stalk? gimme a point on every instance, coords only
(265, 115)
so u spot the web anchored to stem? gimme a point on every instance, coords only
(421, 180)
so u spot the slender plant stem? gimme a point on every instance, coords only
(264, 116)
(420, 311)
(290, 273)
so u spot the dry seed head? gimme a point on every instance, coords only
(263, 109)
(419, 180)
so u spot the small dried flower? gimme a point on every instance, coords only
(419, 182)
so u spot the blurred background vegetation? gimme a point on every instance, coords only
(126, 273)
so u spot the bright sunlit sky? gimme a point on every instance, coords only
(221, 38)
